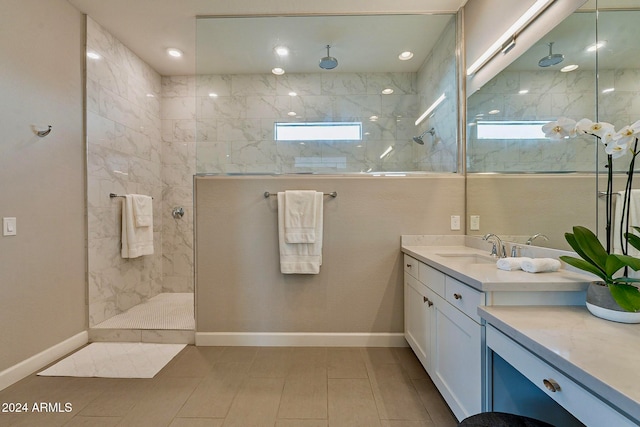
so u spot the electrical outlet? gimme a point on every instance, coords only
(474, 222)
(455, 222)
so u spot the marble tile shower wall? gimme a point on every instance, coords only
(235, 129)
(437, 76)
(123, 156)
(551, 94)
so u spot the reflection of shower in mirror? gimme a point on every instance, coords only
(419, 140)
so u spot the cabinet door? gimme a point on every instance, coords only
(456, 359)
(417, 320)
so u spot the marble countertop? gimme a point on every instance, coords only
(487, 277)
(599, 354)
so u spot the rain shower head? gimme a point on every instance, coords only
(551, 59)
(328, 62)
(419, 140)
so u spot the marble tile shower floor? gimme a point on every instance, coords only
(163, 311)
(245, 387)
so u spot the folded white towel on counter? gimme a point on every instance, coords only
(143, 210)
(511, 263)
(300, 216)
(540, 265)
(300, 258)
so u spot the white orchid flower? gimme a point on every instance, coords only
(618, 147)
(602, 130)
(562, 128)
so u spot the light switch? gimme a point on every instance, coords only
(9, 226)
(474, 222)
(455, 222)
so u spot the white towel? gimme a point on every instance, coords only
(511, 263)
(619, 223)
(300, 216)
(136, 241)
(300, 258)
(540, 265)
(143, 210)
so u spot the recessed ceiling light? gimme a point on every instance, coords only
(278, 71)
(282, 50)
(569, 68)
(523, 91)
(213, 95)
(608, 90)
(387, 91)
(405, 56)
(93, 55)
(176, 53)
(596, 46)
(150, 95)
(373, 118)
(291, 113)
(494, 111)
(293, 93)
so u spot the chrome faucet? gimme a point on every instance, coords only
(498, 249)
(535, 236)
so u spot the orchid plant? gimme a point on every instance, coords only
(596, 258)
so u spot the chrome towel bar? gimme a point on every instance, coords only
(112, 195)
(332, 194)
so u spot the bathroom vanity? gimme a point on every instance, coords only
(446, 279)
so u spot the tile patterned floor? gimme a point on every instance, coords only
(163, 311)
(244, 387)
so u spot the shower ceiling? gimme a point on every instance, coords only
(148, 27)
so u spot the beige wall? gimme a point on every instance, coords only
(529, 204)
(42, 269)
(359, 289)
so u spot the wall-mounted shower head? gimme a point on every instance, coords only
(551, 59)
(419, 140)
(328, 62)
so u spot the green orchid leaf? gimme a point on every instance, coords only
(625, 280)
(630, 261)
(571, 239)
(586, 266)
(613, 264)
(633, 240)
(590, 246)
(627, 296)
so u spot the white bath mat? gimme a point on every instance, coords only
(115, 360)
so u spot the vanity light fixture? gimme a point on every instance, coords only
(387, 91)
(278, 71)
(504, 39)
(568, 68)
(386, 152)
(430, 109)
(93, 55)
(174, 52)
(405, 56)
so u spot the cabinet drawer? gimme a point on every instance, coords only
(464, 298)
(572, 396)
(433, 278)
(411, 266)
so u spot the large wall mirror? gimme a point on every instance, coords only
(338, 98)
(522, 184)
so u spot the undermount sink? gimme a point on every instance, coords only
(469, 258)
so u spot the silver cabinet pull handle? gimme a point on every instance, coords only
(457, 296)
(551, 385)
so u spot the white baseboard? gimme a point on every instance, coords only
(297, 339)
(28, 366)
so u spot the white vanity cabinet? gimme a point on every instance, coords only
(443, 329)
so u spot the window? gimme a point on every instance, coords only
(510, 129)
(318, 131)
